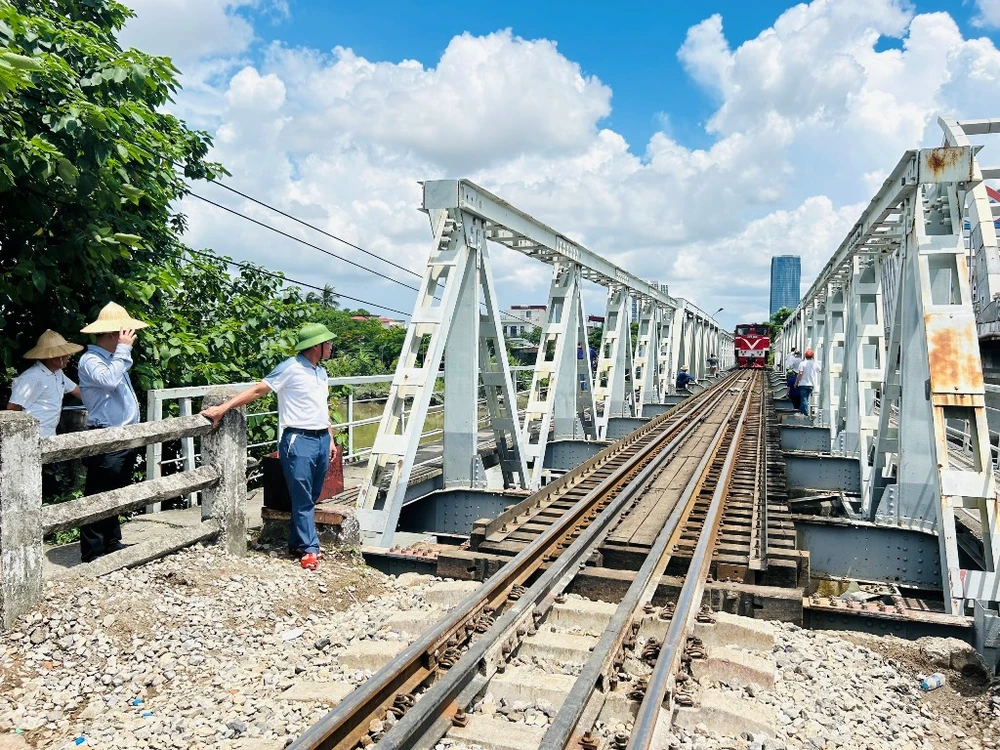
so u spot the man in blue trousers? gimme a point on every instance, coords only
(304, 449)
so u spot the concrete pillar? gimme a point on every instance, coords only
(20, 516)
(226, 449)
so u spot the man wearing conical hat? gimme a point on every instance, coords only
(39, 390)
(111, 402)
(304, 449)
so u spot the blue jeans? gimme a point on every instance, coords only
(304, 460)
(805, 391)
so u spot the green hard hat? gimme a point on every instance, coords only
(311, 334)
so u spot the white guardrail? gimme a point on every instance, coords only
(157, 400)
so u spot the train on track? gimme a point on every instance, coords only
(752, 342)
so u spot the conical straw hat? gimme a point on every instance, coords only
(113, 318)
(51, 344)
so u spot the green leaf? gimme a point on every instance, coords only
(21, 62)
(131, 192)
(38, 279)
(127, 239)
(66, 171)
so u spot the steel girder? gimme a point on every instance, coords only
(455, 331)
(647, 352)
(614, 394)
(562, 392)
(910, 358)
(463, 217)
(982, 234)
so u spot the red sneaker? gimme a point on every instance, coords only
(309, 561)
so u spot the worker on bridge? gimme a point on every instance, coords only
(307, 439)
(806, 380)
(684, 378)
(791, 376)
(713, 365)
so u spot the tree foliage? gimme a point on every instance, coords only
(778, 320)
(210, 327)
(89, 167)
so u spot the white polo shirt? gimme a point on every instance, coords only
(39, 391)
(808, 370)
(302, 394)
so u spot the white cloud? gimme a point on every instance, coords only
(988, 16)
(488, 98)
(810, 119)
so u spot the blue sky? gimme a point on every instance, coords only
(631, 46)
(688, 142)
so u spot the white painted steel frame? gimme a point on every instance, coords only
(561, 397)
(902, 268)
(450, 329)
(463, 216)
(614, 395)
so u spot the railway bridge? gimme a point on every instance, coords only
(667, 511)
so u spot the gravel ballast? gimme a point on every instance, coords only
(203, 650)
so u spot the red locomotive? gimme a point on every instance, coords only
(752, 343)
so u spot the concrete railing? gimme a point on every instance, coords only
(24, 521)
(187, 399)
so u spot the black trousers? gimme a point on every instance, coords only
(111, 471)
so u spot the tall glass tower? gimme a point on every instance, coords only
(786, 275)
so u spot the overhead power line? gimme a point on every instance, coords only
(287, 279)
(304, 223)
(315, 228)
(301, 241)
(275, 275)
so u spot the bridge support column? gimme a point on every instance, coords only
(935, 381)
(833, 363)
(646, 355)
(226, 449)
(865, 366)
(613, 392)
(670, 342)
(470, 342)
(562, 393)
(20, 516)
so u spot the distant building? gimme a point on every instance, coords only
(384, 322)
(786, 277)
(634, 305)
(517, 320)
(594, 321)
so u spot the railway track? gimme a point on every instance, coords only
(696, 457)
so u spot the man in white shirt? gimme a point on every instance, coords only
(39, 390)
(791, 374)
(806, 380)
(304, 449)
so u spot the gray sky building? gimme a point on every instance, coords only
(786, 276)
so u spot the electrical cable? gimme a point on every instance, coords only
(315, 228)
(285, 278)
(300, 240)
(317, 247)
(279, 276)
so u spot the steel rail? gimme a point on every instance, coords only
(429, 719)
(493, 531)
(758, 521)
(659, 681)
(563, 729)
(346, 725)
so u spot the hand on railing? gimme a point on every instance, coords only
(214, 414)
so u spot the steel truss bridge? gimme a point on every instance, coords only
(456, 324)
(902, 318)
